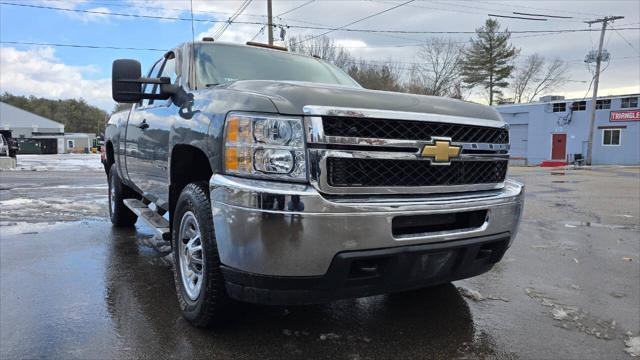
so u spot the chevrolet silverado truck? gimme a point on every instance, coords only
(278, 179)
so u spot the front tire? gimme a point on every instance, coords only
(200, 287)
(118, 212)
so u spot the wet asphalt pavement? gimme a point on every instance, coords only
(71, 286)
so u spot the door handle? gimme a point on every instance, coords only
(143, 125)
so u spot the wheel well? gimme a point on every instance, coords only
(110, 156)
(188, 164)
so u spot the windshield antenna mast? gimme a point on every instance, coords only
(193, 50)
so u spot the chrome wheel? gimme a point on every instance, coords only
(191, 256)
(112, 194)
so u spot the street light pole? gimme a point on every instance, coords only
(596, 81)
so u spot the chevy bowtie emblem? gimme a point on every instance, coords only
(441, 151)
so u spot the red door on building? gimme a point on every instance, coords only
(559, 147)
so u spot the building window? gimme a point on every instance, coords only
(611, 137)
(71, 144)
(630, 102)
(559, 107)
(579, 106)
(603, 104)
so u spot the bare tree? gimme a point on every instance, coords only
(438, 69)
(536, 76)
(384, 76)
(323, 47)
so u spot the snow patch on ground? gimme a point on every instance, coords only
(633, 346)
(58, 162)
(572, 317)
(477, 296)
(8, 228)
(6, 204)
(34, 210)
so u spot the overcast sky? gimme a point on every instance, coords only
(63, 72)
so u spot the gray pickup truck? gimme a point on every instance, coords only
(277, 179)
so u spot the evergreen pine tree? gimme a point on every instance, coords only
(487, 62)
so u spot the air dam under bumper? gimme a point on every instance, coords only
(286, 243)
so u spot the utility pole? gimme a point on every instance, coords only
(594, 99)
(269, 22)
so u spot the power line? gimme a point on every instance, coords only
(122, 5)
(228, 23)
(625, 40)
(90, 46)
(295, 8)
(283, 13)
(421, 43)
(357, 21)
(465, 9)
(516, 17)
(80, 46)
(154, 8)
(538, 8)
(108, 13)
(543, 15)
(332, 29)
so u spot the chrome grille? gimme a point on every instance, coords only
(365, 151)
(350, 172)
(411, 130)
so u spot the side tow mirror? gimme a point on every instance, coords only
(126, 83)
(126, 86)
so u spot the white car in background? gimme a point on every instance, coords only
(4, 146)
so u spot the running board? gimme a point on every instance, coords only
(152, 218)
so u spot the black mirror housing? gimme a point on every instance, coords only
(125, 81)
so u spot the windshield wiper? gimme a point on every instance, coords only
(211, 85)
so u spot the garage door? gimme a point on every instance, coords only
(518, 138)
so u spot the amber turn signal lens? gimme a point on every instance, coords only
(232, 129)
(231, 158)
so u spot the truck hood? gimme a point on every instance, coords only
(290, 97)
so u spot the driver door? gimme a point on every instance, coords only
(151, 123)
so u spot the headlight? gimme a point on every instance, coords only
(267, 146)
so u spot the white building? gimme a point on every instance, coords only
(557, 129)
(39, 135)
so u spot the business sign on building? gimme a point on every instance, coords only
(625, 115)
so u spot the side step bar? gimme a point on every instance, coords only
(152, 218)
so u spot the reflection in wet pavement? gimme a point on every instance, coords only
(110, 295)
(567, 288)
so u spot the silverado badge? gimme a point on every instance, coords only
(441, 151)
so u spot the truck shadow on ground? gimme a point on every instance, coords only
(141, 302)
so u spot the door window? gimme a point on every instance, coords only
(168, 69)
(153, 73)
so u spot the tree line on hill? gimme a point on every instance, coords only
(75, 115)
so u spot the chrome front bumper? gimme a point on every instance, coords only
(277, 229)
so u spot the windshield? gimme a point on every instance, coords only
(219, 64)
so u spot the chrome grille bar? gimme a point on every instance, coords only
(322, 147)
